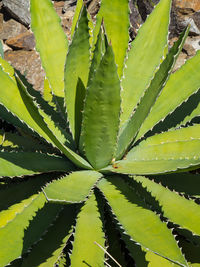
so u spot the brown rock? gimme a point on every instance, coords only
(6, 48)
(67, 19)
(11, 28)
(28, 63)
(180, 61)
(191, 45)
(189, 5)
(93, 7)
(59, 7)
(24, 41)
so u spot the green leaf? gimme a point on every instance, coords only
(13, 225)
(31, 186)
(77, 66)
(185, 183)
(167, 152)
(132, 126)
(98, 53)
(72, 188)
(88, 231)
(15, 142)
(177, 209)
(27, 163)
(26, 111)
(47, 93)
(52, 44)
(115, 15)
(141, 224)
(145, 57)
(48, 250)
(79, 6)
(101, 113)
(6, 67)
(48, 108)
(154, 260)
(178, 90)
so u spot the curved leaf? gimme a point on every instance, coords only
(72, 188)
(141, 224)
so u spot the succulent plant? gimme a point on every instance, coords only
(99, 169)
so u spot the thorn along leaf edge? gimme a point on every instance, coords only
(78, 151)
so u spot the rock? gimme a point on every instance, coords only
(196, 18)
(180, 61)
(28, 63)
(19, 9)
(145, 7)
(6, 48)
(188, 4)
(186, 12)
(67, 19)
(135, 19)
(69, 5)
(191, 45)
(93, 7)
(11, 28)
(59, 7)
(24, 41)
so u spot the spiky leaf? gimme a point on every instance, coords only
(177, 90)
(115, 15)
(12, 229)
(175, 207)
(51, 43)
(88, 231)
(47, 251)
(144, 227)
(77, 66)
(102, 107)
(72, 188)
(166, 152)
(132, 126)
(145, 52)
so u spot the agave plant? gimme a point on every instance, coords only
(97, 171)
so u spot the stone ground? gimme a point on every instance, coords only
(19, 44)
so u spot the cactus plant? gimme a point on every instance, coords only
(100, 169)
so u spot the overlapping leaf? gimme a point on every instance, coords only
(77, 66)
(144, 227)
(132, 126)
(145, 57)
